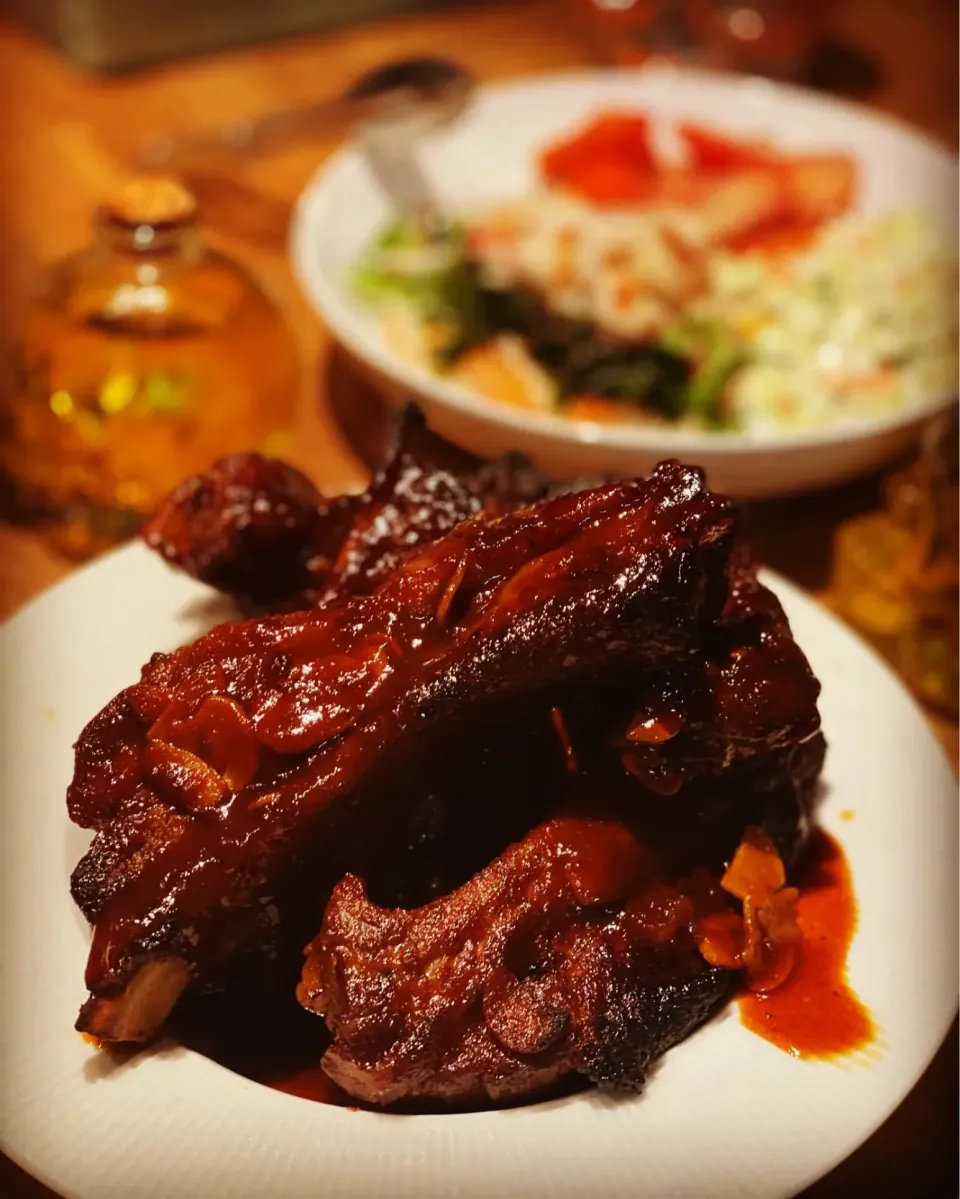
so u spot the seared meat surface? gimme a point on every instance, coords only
(575, 951)
(222, 777)
(513, 737)
(556, 958)
(259, 531)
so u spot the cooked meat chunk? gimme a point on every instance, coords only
(218, 780)
(748, 692)
(247, 526)
(565, 955)
(259, 531)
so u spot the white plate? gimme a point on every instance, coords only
(490, 154)
(725, 1114)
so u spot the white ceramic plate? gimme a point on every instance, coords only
(725, 1114)
(490, 154)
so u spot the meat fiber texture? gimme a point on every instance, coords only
(534, 969)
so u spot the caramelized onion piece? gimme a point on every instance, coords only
(777, 973)
(779, 916)
(756, 870)
(182, 778)
(652, 772)
(563, 735)
(720, 939)
(219, 732)
(763, 940)
(450, 593)
(647, 729)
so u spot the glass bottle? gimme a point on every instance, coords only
(896, 575)
(144, 358)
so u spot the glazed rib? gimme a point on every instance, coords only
(564, 955)
(218, 779)
(258, 530)
(573, 952)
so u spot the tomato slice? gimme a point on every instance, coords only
(713, 153)
(609, 161)
(625, 134)
(610, 181)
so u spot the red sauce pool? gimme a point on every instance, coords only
(815, 1013)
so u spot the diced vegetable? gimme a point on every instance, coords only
(649, 729)
(720, 939)
(756, 870)
(769, 934)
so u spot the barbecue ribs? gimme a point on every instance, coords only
(559, 956)
(574, 952)
(258, 530)
(242, 765)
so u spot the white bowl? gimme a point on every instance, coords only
(490, 155)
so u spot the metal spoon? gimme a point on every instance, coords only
(435, 89)
(390, 108)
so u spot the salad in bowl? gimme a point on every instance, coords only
(637, 265)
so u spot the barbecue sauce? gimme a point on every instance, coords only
(815, 1013)
(312, 1083)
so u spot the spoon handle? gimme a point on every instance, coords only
(392, 159)
(250, 136)
(284, 127)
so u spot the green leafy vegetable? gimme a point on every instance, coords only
(581, 360)
(402, 264)
(717, 357)
(645, 375)
(686, 372)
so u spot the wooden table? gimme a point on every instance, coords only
(63, 131)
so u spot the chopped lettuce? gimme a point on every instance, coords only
(402, 264)
(716, 356)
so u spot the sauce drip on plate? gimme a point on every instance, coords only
(815, 1013)
(312, 1083)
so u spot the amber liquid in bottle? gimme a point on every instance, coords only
(896, 575)
(145, 358)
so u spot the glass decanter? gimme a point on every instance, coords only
(144, 358)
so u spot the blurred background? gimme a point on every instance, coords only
(94, 88)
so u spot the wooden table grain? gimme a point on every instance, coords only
(64, 132)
